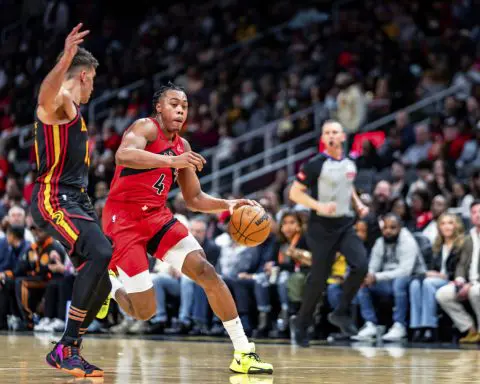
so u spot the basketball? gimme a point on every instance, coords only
(249, 225)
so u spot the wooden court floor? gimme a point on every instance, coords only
(153, 361)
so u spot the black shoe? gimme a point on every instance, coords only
(417, 336)
(180, 328)
(298, 335)
(217, 330)
(199, 330)
(344, 322)
(430, 336)
(156, 328)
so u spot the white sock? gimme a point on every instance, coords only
(237, 334)
(116, 285)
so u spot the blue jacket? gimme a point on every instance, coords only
(8, 258)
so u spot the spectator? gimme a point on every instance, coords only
(424, 178)
(419, 150)
(12, 248)
(442, 182)
(369, 158)
(379, 207)
(446, 249)
(361, 228)
(474, 184)
(403, 125)
(420, 209)
(399, 184)
(336, 279)
(391, 150)
(351, 103)
(394, 259)
(439, 207)
(400, 208)
(291, 255)
(41, 263)
(16, 216)
(201, 308)
(461, 200)
(470, 157)
(466, 285)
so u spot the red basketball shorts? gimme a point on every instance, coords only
(136, 231)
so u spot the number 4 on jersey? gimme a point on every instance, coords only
(159, 186)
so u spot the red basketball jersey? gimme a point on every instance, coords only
(148, 187)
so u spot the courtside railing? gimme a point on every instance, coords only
(235, 177)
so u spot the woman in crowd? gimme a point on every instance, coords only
(292, 255)
(446, 251)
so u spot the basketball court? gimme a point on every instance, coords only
(134, 360)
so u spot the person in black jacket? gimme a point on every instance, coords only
(12, 248)
(33, 272)
(441, 270)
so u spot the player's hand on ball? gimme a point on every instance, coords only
(189, 160)
(235, 204)
(327, 209)
(363, 211)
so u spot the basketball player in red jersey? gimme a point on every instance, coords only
(150, 158)
(60, 204)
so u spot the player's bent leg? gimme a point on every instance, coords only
(96, 252)
(135, 294)
(202, 272)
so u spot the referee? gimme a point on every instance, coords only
(330, 178)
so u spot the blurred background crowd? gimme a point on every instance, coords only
(244, 65)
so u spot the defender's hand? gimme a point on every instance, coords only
(73, 40)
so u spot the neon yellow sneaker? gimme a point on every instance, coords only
(103, 312)
(249, 379)
(249, 362)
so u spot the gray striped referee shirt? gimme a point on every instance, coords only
(330, 180)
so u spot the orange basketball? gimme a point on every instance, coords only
(249, 225)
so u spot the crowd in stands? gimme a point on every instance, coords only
(421, 182)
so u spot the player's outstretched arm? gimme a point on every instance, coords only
(199, 201)
(49, 97)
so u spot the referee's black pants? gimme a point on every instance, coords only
(326, 237)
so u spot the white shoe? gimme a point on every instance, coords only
(396, 333)
(138, 327)
(123, 327)
(57, 325)
(368, 332)
(42, 325)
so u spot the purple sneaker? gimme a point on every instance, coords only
(68, 359)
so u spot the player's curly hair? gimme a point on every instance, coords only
(163, 90)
